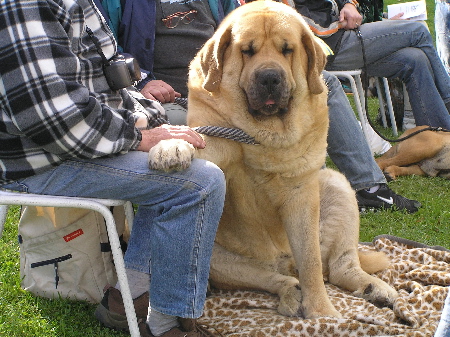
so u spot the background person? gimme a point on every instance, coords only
(392, 48)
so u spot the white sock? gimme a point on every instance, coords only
(160, 323)
(138, 282)
(373, 189)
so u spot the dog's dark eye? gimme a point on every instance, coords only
(286, 50)
(249, 51)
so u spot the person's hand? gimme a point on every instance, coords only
(349, 17)
(152, 137)
(158, 90)
(397, 17)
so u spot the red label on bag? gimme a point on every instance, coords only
(73, 235)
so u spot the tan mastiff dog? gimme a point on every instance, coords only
(287, 223)
(424, 154)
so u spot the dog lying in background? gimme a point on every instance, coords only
(287, 224)
(424, 154)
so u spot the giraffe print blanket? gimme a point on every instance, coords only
(420, 273)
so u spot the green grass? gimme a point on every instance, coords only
(23, 315)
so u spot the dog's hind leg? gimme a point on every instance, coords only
(339, 243)
(233, 271)
(345, 271)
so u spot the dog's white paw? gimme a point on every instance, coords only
(171, 154)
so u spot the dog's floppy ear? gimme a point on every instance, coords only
(316, 63)
(211, 58)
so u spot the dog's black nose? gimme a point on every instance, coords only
(270, 79)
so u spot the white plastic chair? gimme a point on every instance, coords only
(354, 77)
(8, 198)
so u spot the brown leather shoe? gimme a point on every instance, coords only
(111, 311)
(190, 324)
(188, 328)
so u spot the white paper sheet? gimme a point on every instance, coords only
(413, 10)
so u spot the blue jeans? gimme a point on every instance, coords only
(402, 49)
(347, 146)
(443, 329)
(175, 224)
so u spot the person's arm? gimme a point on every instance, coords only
(45, 100)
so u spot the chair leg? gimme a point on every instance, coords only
(129, 214)
(358, 93)
(390, 107)
(120, 270)
(3, 214)
(381, 102)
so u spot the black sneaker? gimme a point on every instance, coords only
(385, 198)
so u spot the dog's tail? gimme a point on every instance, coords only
(372, 262)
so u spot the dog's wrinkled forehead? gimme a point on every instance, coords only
(267, 26)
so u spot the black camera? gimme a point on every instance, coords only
(121, 72)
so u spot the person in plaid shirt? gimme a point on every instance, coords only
(63, 131)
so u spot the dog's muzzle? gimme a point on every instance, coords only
(268, 93)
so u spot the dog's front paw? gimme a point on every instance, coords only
(171, 154)
(324, 311)
(290, 301)
(316, 305)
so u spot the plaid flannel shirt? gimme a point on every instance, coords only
(55, 103)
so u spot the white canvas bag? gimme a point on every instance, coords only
(65, 252)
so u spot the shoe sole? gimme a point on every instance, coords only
(374, 209)
(110, 319)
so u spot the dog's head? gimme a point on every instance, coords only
(264, 51)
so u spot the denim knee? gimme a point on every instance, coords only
(211, 178)
(415, 59)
